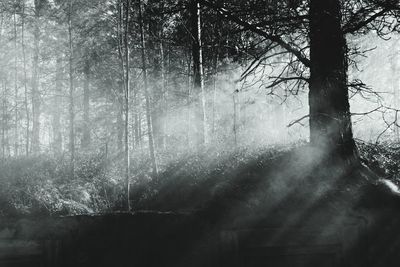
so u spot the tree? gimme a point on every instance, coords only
(330, 118)
(36, 99)
(126, 104)
(198, 79)
(71, 91)
(146, 92)
(316, 28)
(86, 139)
(16, 89)
(56, 117)
(26, 103)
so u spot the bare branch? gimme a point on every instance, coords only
(298, 121)
(355, 27)
(273, 38)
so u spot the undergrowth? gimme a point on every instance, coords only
(43, 185)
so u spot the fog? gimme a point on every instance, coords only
(63, 92)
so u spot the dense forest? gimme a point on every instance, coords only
(106, 104)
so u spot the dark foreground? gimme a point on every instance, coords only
(151, 239)
(305, 215)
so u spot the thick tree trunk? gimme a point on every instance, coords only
(198, 80)
(56, 120)
(146, 94)
(86, 107)
(330, 118)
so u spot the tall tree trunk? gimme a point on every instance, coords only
(330, 118)
(138, 121)
(198, 79)
(16, 104)
(146, 93)
(126, 106)
(120, 102)
(86, 107)
(4, 120)
(2, 76)
(3, 126)
(120, 126)
(26, 102)
(216, 60)
(71, 95)
(56, 120)
(132, 128)
(214, 99)
(35, 144)
(189, 98)
(164, 93)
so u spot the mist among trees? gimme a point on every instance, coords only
(100, 99)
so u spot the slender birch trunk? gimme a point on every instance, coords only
(198, 78)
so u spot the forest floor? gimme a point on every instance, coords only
(280, 175)
(210, 180)
(198, 198)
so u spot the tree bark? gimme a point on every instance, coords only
(16, 104)
(164, 93)
(198, 80)
(138, 120)
(126, 105)
(330, 118)
(26, 102)
(86, 139)
(146, 93)
(214, 99)
(4, 122)
(35, 83)
(120, 103)
(71, 95)
(120, 126)
(189, 99)
(56, 120)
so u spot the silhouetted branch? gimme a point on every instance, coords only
(274, 38)
(298, 121)
(351, 28)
